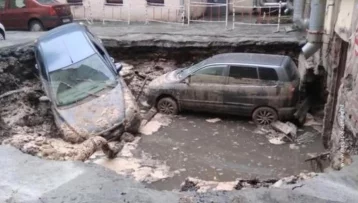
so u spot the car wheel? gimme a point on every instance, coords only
(36, 26)
(2, 36)
(264, 116)
(167, 105)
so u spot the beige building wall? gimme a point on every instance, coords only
(133, 10)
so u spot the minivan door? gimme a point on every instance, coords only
(242, 89)
(205, 89)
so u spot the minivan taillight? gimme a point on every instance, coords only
(52, 11)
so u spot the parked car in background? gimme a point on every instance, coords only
(34, 15)
(81, 80)
(265, 87)
(2, 32)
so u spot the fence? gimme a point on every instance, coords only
(143, 13)
(232, 13)
(82, 12)
(262, 16)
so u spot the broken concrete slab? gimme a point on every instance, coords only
(286, 128)
(213, 120)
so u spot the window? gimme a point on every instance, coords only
(155, 2)
(2, 4)
(268, 74)
(240, 74)
(213, 74)
(114, 1)
(17, 4)
(48, 2)
(74, 1)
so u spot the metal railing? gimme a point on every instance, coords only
(81, 12)
(207, 12)
(259, 16)
(165, 14)
(233, 13)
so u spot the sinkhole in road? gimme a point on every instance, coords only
(188, 146)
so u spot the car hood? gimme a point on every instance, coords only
(94, 116)
(170, 77)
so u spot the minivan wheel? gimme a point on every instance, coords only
(264, 116)
(167, 105)
(35, 26)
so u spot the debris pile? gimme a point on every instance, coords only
(197, 185)
(280, 133)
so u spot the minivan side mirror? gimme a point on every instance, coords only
(118, 67)
(186, 80)
(112, 59)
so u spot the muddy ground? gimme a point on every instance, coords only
(26, 122)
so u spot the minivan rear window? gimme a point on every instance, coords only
(291, 70)
(268, 74)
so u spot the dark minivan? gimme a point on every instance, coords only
(263, 86)
(34, 15)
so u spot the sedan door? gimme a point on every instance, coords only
(204, 92)
(16, 14)
(242, 90)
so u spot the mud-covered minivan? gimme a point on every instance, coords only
(263, 86)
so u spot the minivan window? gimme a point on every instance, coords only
(268, 74)
(238, 74)
(212, 74)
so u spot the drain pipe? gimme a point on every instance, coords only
(315, 30)
(271, 4)
(298, 10)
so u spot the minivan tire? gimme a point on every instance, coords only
(264, 116)
(167, 105)
(36, 26)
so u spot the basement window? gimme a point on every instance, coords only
(114, 2)
(76, 2)
(155, 2)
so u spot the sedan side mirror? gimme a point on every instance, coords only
(36, 66)
(118, 67)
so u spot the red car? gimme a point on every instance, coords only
(34, 15)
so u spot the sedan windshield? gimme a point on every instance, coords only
(80, 80)
(185, 72)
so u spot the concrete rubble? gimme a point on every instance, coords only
(57, 182)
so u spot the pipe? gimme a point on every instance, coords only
(271, 4)
(298, 9)
(315, 30)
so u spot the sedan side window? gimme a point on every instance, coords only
(268, 74)
(242, 74)
(212, 74)
(17, 4)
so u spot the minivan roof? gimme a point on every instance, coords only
(247, 58)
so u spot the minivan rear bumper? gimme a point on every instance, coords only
(286, 113)
(54, 21)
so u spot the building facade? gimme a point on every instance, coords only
(336, 62)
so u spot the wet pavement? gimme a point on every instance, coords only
(221, 151)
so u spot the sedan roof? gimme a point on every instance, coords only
(64, 45)
(247, 58)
